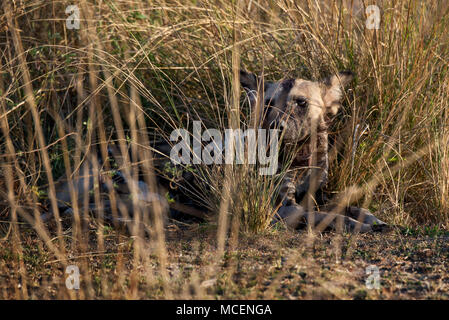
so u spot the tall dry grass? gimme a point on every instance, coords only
(136, 70)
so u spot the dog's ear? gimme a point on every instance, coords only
(248, 80)
(333, 90)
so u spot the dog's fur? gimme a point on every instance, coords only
(302, 111)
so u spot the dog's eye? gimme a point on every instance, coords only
(301, 102)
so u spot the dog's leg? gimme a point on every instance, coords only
(295, 217)
(287, 192)
(365, 216)
(358, 214)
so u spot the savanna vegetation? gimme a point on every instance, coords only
(135, 70)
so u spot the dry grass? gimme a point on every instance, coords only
(136, 70)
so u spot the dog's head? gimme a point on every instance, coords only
(295, 106)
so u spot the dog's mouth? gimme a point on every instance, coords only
(304, 152)
(297, 141)
(300, 150)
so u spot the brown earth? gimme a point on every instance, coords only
(277, 264)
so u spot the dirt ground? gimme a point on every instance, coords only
(288, 265)
(277, 264)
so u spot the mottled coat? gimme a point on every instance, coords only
(301, 110)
